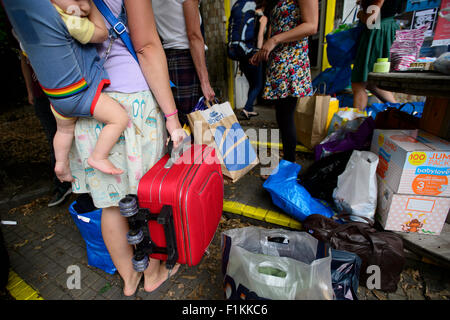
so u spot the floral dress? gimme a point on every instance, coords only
(288, 73)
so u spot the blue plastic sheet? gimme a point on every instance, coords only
(413, 108)
(292, 197)
(89, 225)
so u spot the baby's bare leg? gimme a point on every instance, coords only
(115, 117)
(62, 143)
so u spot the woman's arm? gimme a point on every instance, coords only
(152, 60)
(197, 46)
(262, 27)
(100, 32)
(364, 16)
(309, 11)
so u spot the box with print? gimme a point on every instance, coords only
(413, 162)
(410, 213)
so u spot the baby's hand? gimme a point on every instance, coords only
(79, 8)
(85, 7)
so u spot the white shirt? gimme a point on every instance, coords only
(170, 23)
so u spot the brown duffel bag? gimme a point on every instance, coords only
(383, 249)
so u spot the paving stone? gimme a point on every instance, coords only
(113, 291)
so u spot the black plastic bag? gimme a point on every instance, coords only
(345, 268)
(321, 177)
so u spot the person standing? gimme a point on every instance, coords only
(179, 25)
(143, 88)
(288, 75)
(375, 42)
(254, 74)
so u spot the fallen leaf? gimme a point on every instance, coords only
(379, 295)
(105, 288)
(48, 237)
(18, 245)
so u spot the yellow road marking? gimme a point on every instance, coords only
(20, 290)
(261, 214)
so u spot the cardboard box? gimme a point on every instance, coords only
(413, 162)
(410, 213)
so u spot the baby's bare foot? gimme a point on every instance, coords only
(104, 165)
(62, 171)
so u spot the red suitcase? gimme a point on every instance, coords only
(181, 202)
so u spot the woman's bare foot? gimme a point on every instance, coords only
(104, 165)
(154, 281)
(130, 288)
(62, 171)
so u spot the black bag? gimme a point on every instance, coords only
(320, 179)
(382, 249)
(393, 118)
(345, 267)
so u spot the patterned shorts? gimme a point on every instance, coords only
(140, 146)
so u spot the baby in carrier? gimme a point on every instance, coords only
(70, 73)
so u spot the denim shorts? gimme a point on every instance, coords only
(70, 74)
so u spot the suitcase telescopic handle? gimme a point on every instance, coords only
(176, 153)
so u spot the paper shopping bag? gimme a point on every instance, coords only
(311, 116)
(218, 127)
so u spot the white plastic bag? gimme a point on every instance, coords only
(275, 264)
(356, 191)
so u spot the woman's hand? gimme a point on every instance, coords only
(257, 58)
(177, 134)
(268, 46)
(264, 52)
(207, 91)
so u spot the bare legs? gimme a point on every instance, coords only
(107, 111)
(62, 142)
(114, 231)
(115, 117)
(360, 97)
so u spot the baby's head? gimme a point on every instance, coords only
(74, 7)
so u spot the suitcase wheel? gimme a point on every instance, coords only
(135, 237)
(140, 263)
(128, 206)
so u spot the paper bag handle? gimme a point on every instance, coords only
(209, 105)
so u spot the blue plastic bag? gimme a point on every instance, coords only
(342, 46)
(90, 229)
(292, 197)
(334, 79)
